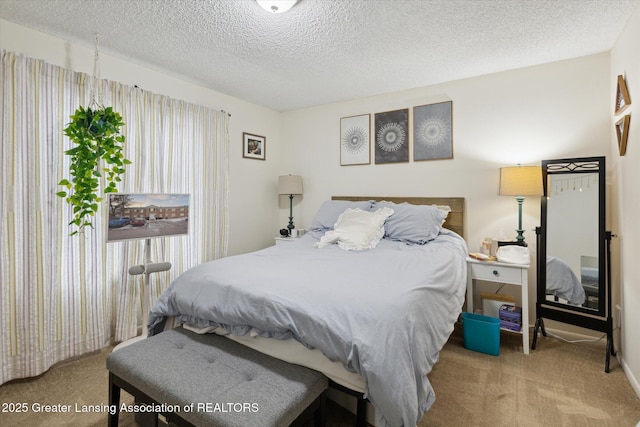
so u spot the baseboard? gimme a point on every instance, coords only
(627, 371)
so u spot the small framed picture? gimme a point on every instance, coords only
(622, 132)
(254, 146)
(622, 96)
(392, 136)
(354, 140)
(432, 131)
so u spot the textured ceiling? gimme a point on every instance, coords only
(324, 51)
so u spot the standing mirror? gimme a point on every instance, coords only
(573, 248)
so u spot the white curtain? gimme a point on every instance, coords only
(63, 296)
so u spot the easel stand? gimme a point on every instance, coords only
(147, 268)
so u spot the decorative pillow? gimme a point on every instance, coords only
(356, 229)
(414, 223)
(330, 211)
(445, 211)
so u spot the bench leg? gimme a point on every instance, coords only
(116, 384)
(361, 412)
(114, 401)
(319, 416)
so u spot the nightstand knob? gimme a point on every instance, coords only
(496, 273)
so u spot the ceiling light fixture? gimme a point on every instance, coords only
(276, 6)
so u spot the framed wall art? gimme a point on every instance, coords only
(622, 132)
(623, 100)
(433, 131)
(392, 136)
(254, 146)
(354, 140)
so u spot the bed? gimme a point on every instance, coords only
(563, 283)
(321, 303)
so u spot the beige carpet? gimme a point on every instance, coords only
(559, 384)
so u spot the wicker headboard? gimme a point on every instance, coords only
(454, 222)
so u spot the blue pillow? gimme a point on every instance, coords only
(412, 223)
(330, 210)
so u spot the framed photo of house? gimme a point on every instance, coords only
(433, 131)
(623, 100)
(355, 140)
(622, 132)
(392, 136)
(254, 146)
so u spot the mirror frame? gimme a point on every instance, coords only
(598, 320)
(582, 165)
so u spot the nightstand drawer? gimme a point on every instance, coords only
(496, 273)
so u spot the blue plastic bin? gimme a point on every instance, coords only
(481, 333)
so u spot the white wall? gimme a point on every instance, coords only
(545, 112)
(625, 60)
(253, 199)
(569, 237)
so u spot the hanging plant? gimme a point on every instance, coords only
(95, 131)
(96, 135)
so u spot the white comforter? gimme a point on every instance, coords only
(385, 313)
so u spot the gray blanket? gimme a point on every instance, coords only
(385, 313)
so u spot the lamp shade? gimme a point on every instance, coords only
(290, 184)
(521, 181)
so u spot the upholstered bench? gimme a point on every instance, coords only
(209, 380)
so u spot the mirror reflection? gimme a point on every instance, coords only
(572, 239)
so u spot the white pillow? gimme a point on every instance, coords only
(357, 230)
(330, 211)
(445, 211)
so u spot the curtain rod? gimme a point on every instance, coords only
(138, 87)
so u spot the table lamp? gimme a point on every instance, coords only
(291, 185)
(521, 181)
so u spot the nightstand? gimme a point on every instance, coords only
(500, 272)
(284, 240)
